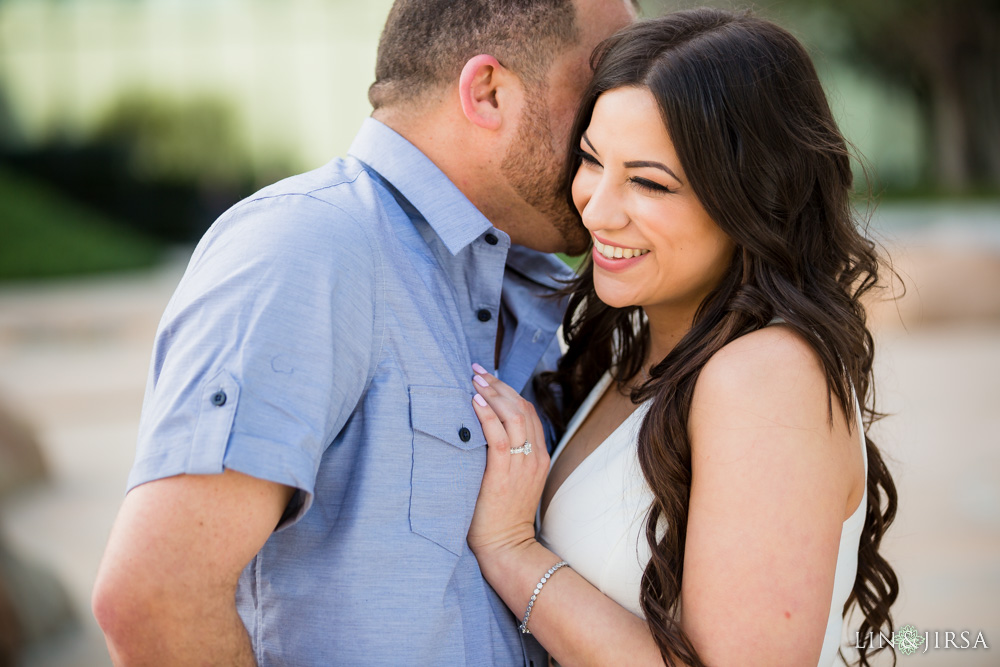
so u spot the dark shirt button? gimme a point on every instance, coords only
(492, 239)
(219, 398)
(464, 434)
(484, 315)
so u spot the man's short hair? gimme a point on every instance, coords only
(425, 43)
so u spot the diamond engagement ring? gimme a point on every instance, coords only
(523, 449)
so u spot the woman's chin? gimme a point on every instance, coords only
(613, 298)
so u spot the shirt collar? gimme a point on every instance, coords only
(540, 267)
(449, 213)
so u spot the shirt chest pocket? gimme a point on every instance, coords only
(449, 457)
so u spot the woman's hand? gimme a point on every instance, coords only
(504, 520)
(574, 621)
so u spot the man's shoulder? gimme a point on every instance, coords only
(336, 201)
(303, 223)
(341, 183)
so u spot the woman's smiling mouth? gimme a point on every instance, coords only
(616, 258)
(617, 252)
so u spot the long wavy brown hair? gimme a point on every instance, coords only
(752, 128)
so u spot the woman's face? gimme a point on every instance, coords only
(655, 246)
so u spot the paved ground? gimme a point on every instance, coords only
(73, 362)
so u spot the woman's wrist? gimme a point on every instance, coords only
(498, 557)
(503, 544)
(514, 571)
(523, 627)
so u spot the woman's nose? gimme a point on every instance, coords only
(603, 206)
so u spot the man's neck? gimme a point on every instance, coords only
(443, 136)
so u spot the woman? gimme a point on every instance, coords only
(715, 495)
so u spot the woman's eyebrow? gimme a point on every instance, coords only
(637, 163)
(655, 165)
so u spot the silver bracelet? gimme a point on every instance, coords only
(538, 589)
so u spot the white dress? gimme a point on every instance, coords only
(596, 520)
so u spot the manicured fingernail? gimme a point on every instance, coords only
(478, 379)
(479, 399)
(479, 369)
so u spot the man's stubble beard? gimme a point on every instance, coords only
(534, 170)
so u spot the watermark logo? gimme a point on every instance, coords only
(907, 639)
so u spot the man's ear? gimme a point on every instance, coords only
(477, 89)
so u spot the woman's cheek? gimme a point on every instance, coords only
(581, 190)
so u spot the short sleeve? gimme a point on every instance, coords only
(265, 348)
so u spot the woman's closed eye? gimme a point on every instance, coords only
(587, 158)
(648, 186)
(642, 184)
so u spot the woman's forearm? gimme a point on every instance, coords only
(575, 622)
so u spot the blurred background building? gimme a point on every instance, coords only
(127, 126)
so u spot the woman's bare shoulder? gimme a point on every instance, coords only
(769, 376)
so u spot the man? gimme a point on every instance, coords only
(308, 457)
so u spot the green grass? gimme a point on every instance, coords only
(43, 234)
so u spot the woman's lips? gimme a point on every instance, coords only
(618, 260)
(617, 252)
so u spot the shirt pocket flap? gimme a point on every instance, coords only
(449, 457)
(446, 413)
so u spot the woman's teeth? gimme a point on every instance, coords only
(614, 252)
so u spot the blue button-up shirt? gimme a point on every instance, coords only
(322, 337)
